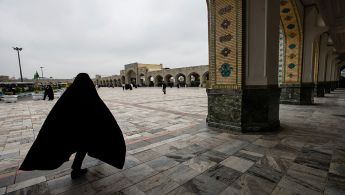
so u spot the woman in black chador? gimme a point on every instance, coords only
(73, 126)
(50, 93)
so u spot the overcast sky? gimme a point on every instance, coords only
(99, 37)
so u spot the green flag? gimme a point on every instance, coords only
(36, 76)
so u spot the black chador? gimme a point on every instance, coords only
(79, 122)
(50, 93)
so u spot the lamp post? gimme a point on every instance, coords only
(20, 67)
(42, 71)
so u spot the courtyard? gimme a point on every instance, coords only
(170, 150)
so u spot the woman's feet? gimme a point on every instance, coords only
(78, 172)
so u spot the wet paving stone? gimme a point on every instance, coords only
(172, 151)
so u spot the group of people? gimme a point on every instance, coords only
(129, 86)
(48, 91)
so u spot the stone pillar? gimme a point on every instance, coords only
(298, 94)
(319, 90)
(243, 50)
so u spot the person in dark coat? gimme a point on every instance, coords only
(50, 93)
(78, 131)
(45, 92)
(164, 87)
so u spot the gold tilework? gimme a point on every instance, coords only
(294, 36)
(216, 31)
(316, 59)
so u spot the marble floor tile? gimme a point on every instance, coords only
(24, 184)
(139, 173)
(314, 159)
(257, 149)
(286, 155)
(223, 174)
(162, 163)
(84, 190)
(265, 173)
(58, 174)
(2, 190)
(181, 191)
(199, 163)
(337, 169)
(130, 191)
(283, 191)
(232, 191)
(303, 179)
(165, 149)
(211, 143)
(37, 189)
(231, 147)
(250, 185)
(147, 155)
(265, 143)
(237, 163)
(203, 184)
(333, 191)
(336, 181)
(65, 183)
(158, 184)
(248, 155)
(214, 156)
(338, 156)
(110, 184)
(131, 162)
(181, 173)
(137, 145)
(248, 138)
(279, 164)
(100, 171)
(187, 153)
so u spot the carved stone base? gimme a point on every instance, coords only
(319, 90)
(298, 94)
(243, 110)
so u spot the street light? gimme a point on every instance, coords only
(20, 67)
(42, 71)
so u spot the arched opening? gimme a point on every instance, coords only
(111, 82)
(107, 83)
(158, 80)
(115, 82)
(194, 79)
(342, 77)
(180, 79)
(119, 82)
(150, 80)
(141, 79)
(123, 79)
(205, 80)
(131, 77)
(169, 80)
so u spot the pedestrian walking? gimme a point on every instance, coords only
(123, 86)
(164, 87)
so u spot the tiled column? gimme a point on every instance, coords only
(243, 50)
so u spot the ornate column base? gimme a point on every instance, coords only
(297, 94)
(243, 110)
(319, 90)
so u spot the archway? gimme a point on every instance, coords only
(194, 79)
(158, 80)
(119, 82)
(123, 79)
(131, 77)
(141, 79)
(150, 80)
(180, 78)
(111, 82)
(205, 80)
(169, 80)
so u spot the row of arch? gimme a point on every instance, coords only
(193, 79)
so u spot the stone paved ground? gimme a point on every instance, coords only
(171, 151)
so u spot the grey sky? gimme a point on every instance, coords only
(99, 37)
